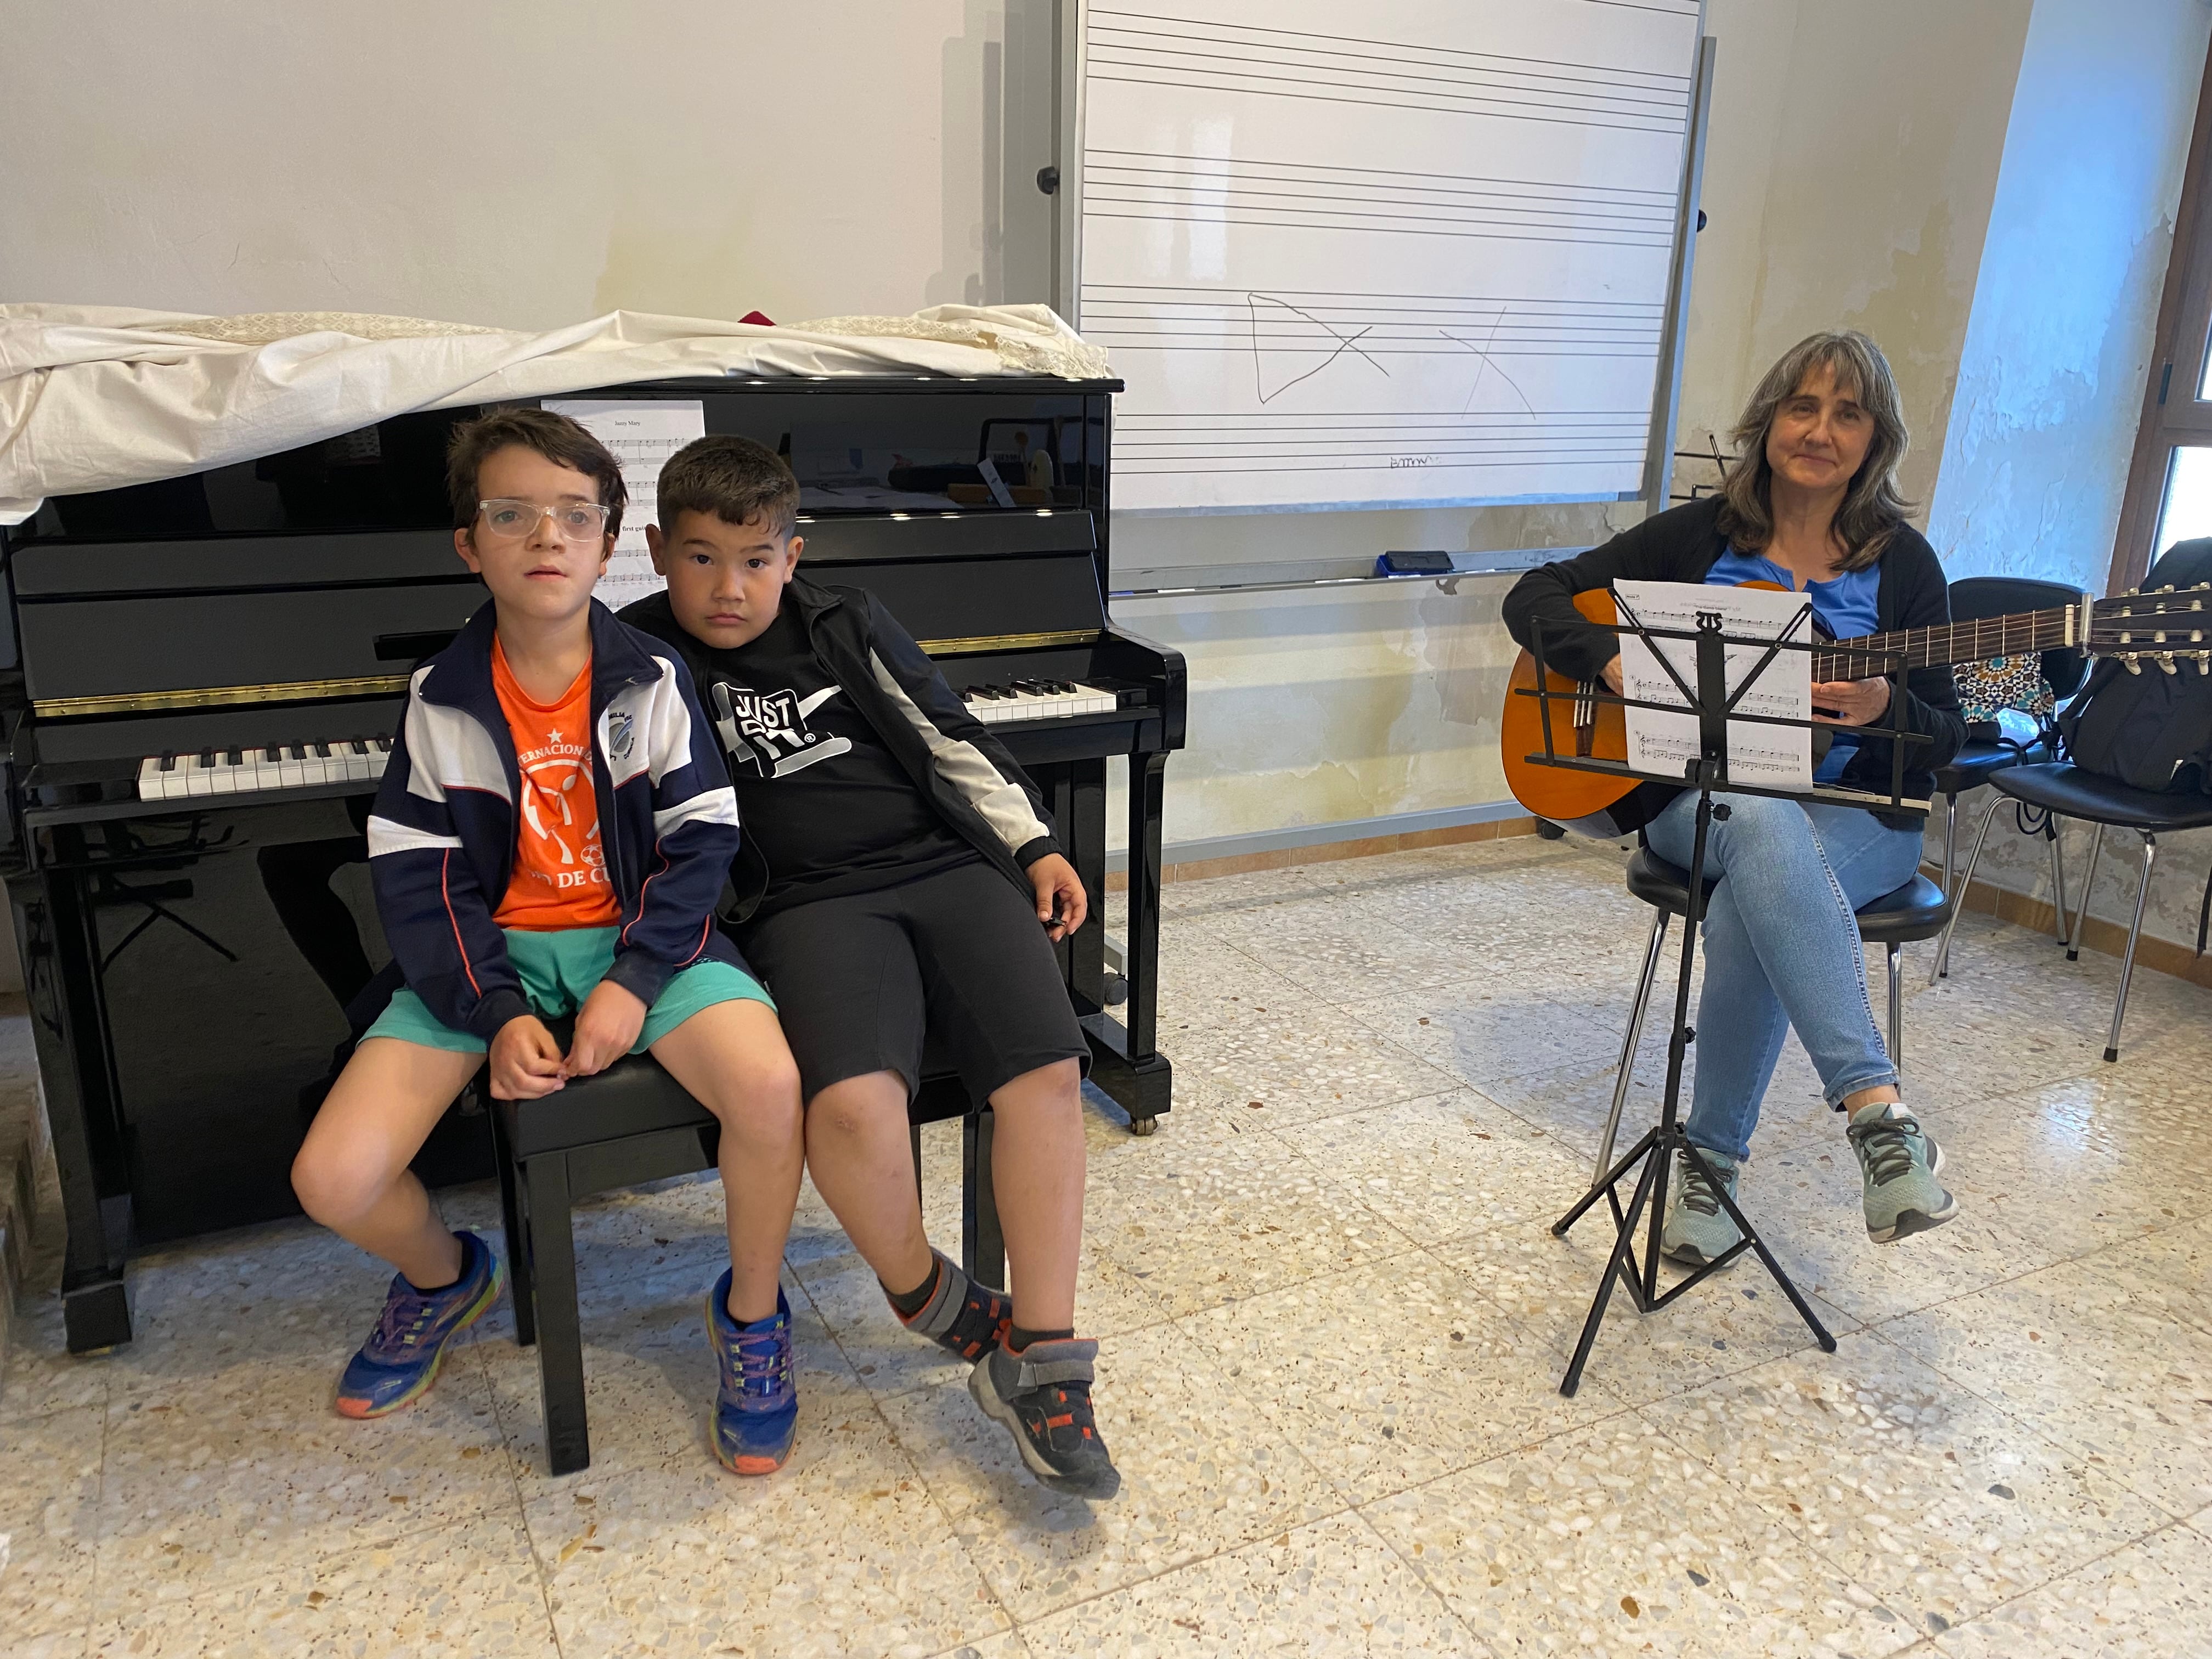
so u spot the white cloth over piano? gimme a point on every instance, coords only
(95, 396)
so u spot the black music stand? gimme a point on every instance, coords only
(1715, 708)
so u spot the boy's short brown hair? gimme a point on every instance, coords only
(555, 437)
(733, 478)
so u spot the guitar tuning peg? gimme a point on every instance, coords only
(2133, 665)
(2166, 661)
(2168, 588)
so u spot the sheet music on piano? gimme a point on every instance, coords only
(643, 434)
(1773, 758)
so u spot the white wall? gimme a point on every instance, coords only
(2055, 359)
(533, 163)
(523, 162)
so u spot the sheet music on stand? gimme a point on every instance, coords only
(643, 432)
(1771, 756)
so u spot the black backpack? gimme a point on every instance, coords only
(2150, 730)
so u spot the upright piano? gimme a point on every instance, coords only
(199, 680)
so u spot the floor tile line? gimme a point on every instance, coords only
(1805, 1541)
(2076, 1571)
(1796, 1526)
(1182, 1566)
(2031, 1427)
(1443, 1602)
(1310, 1280)
(918, 1475)
(521, 1508)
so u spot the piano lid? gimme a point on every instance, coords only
(858, 445)
(967, 582)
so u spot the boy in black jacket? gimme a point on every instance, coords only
(899, 877)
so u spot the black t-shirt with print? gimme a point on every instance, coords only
(825, 802)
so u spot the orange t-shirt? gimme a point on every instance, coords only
(560, 879)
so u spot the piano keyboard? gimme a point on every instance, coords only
(239, 771)
(1034, 700)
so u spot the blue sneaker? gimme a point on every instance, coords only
(398, 1363)
(757, 1412)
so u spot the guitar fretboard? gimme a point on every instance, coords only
(1958, 641)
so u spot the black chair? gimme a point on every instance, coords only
(633, 1123)
(1916, 911)
(1972, 599)
(2066, 791)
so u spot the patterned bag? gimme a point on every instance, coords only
(1988, 689)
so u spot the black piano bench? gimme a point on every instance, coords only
(631, 1124)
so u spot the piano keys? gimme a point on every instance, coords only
(200, 681)
(1037, 700)
(258, 769)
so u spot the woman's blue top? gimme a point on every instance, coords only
(1844, 608)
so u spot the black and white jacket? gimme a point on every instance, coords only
(442, 837)
(953, 759)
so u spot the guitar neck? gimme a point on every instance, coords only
(1957, 642)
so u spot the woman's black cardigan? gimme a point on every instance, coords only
(1684, 542)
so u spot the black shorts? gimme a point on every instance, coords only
(955, 961)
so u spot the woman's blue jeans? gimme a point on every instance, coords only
(1782, 950)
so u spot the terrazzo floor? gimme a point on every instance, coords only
(1333, 1321)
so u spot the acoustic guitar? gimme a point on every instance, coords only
(2166, 629)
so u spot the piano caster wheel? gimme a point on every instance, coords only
(1143, 1125)
(1116, 989)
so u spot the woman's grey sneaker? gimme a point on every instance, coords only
(1698, 1228)
(1042, 1395)
(1900, 1162)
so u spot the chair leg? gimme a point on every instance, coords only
(1950, 871)
(2127, 959)
(514, 1221)
(560, 1329)
(913, 1139)
(1966, 880)
(2058, 879)
(983, 1246)
(1896, 952)
(1659, 921)
(2096, 847)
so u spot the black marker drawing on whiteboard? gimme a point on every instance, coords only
(1345, 343)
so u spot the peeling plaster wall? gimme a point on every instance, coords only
(2051, 378)
(1855, 152)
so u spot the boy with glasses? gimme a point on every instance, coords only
(549, 842)
(899, 877)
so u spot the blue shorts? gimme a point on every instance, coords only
(558, 971)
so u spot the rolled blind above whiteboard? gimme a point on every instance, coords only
(1403, 253)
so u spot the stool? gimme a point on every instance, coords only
(1916, 911)
(633, 1123)
(2067, 791)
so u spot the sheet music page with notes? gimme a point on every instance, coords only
(1412, 250)
(1771, 756)
(643, 432)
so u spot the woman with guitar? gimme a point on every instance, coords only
(1812, 506)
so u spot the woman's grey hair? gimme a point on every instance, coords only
(1873, 506)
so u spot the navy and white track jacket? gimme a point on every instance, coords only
(442, 836)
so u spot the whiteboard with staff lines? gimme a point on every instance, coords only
(1404, 252)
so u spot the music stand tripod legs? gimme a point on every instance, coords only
(1657, 1150)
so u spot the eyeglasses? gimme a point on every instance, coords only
(509, 519)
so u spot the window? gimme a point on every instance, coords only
(2169, 496)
